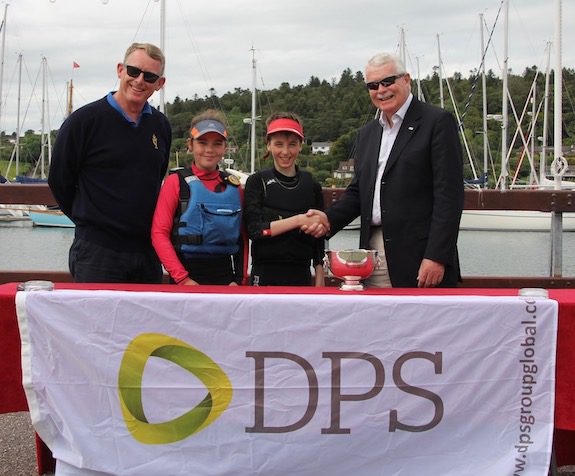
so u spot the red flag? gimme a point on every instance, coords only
(75, 65)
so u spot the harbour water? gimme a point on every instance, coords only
(482, 253)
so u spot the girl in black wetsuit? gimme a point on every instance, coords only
(275, 203)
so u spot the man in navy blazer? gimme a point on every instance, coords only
(408, 184)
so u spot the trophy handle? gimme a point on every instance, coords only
(326, 267)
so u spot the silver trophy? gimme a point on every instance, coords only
(351, 266)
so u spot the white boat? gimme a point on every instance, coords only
(512, 220)
(50, 218)
(17, 215)
(243, 176)
(13, 212)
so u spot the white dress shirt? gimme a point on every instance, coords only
(387, 140)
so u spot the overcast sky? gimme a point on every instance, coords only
(208, 43)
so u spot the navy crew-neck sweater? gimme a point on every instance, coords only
(106, 174)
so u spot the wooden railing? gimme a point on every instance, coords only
(540, 200)
(26, 194)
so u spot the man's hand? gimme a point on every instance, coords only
(430, 273)
(316, 223)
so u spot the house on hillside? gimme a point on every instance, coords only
(320, 148)
(344, 170)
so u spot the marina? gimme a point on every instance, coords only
(496, 243)
(488, 258)
(482, 253)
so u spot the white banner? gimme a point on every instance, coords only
(217, 384)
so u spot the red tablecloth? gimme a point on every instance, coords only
(12, 396)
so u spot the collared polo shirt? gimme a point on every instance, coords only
(112, 101)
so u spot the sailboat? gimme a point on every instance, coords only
(511, 220)
(50, 218)
(518, 220)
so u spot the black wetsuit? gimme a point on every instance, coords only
(282, 260)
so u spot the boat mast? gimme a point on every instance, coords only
(45, 140)
(42, 172)
(162, 47)
(18, 115)
(558, 102)
(402, 48)
(542, 157)
(69, 102)
(3, 26)
(2, 55)
(484, 99)
(504, 111)
(253, 117)
(419, 92)
(533, 174)
(559, 164)
(440, 74)
(460, 129)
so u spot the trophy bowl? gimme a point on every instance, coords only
(351, 266)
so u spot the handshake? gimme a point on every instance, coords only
(314, 223)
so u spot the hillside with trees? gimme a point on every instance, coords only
(333, 111)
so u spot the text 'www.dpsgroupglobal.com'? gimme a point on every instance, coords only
(528, 385)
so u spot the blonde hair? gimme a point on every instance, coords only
(209, 114)
(151, 50)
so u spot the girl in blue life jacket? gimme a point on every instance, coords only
(276, 200)
(196, 229)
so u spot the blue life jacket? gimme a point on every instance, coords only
(210, 222)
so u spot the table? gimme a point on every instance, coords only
(12, 398)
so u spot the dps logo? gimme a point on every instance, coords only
(179, 352)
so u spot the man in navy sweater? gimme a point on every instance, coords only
(107, 167)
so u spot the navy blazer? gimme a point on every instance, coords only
(421, 193)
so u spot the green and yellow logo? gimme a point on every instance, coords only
(173, 350)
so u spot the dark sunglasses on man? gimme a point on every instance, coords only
(373, 85)
(134, 72)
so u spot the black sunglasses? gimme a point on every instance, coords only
(134, 72)
(373, 85)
